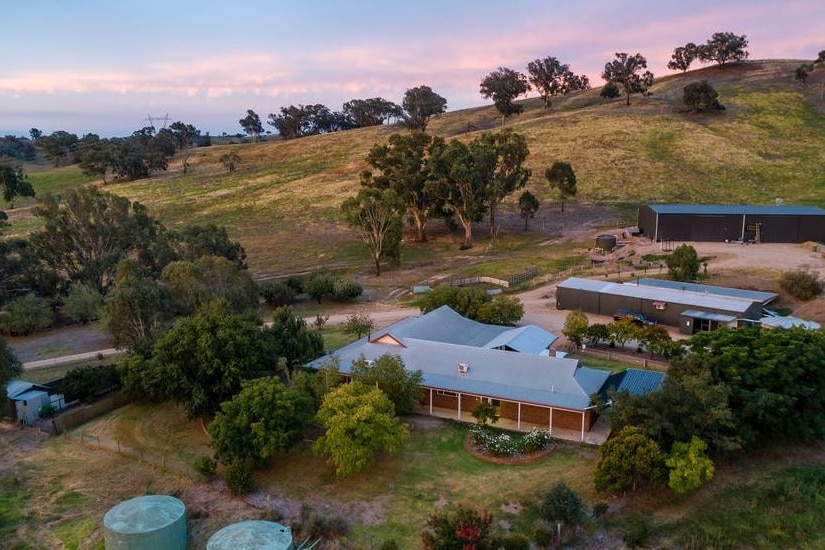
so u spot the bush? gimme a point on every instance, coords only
(239, 478)
(346, 289)
(25, 315)
(87, 383)
(801, 284)
(314, 525)
(206, 465)
(83, 304)
(320, 284)
(542, 536)
(389, 545)
(636, 532)
(562, 505)
(501, 310)
(277, 293)
(515, 541)
(48, 411)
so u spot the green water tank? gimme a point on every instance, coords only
(252, 535)
(151, 522)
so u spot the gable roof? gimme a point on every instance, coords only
(674, 296)
(754, 295)
(635, 381)
(17, 387)
(446, 326)
(737, 209)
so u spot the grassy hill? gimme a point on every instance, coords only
(282, 203)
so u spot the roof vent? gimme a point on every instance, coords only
(463, 368)
(370, 362)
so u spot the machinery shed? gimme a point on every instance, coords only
(689, 310)
(737, 223)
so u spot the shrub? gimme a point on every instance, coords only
(319, 284)
(501, 310)
(86, 383)
(536, 440)
(515, 541)
(48, 411)
(346, 289)
(600, 508)
(389, 545)
(562, 505)
(542, 536)
(314, 525)
(277, 293)
(636, 532)
(25, 315)
(206, 465)
(83, 304)
(801, 284)
(239, 478)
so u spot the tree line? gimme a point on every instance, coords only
(419, 105)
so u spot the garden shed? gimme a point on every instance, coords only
(732, 223)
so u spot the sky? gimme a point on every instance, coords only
(105, 66)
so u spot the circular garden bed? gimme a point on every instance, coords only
(503, 448)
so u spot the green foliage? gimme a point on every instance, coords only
(316, 526)
(346, 289)
(206, 466)
(683, 263)
(623, 330)
(317, 384)
(87, 232)
(501, 310)
(683, 57)
(563, 505)
(251, 124)
(509, 174)
(420, 104)
(292, 339)
(782, 509)
(628, 458)
(404, 166)
(10, 367)
(277, 293)
(485, 412)
(459, 529)
(625, 71)
(801, 74)
(515, 541)
(196, 241)
(562, 177)
(575, 327)
(689, 466)
(223, 279)
(14, 183)
(202, 361)
(610, 91)
(689, 403)
(358, 325)
(656, 339)
(320, 283)
(48, 411)
(88, 383)
(528, 205)
(83, 304)
(474, 304)
(360, 421)
(552, 78)
(264, 418)
(597, 333)
(375, 215)
(25, 315)
(776, 379)
(723, 48)
(238, 478)
(801, 284)
(137, 309)
(504, 86)
(389, 374)
(701, 96)
(636, 532)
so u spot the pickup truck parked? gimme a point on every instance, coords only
(636, 317)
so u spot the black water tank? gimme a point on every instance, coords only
(606, 242)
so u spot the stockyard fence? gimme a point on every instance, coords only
(513, 280)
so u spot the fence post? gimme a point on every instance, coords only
(118, 446)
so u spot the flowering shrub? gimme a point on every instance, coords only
(504, 445)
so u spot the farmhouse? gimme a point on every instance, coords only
(736, 223)
(464, 362)
(691, 307)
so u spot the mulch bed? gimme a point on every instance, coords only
(511, 460)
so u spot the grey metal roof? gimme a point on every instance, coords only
(753, 295)
(446, 326)
(25, 396)
(667, 295)
(694, 314)
(508, 375)
(737, 209)
(788, 322)
(443, 325)
(527, 339)
(16, 387)
(636, 381)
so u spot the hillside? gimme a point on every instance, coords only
(282, 201)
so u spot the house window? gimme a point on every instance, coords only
(446, 393)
